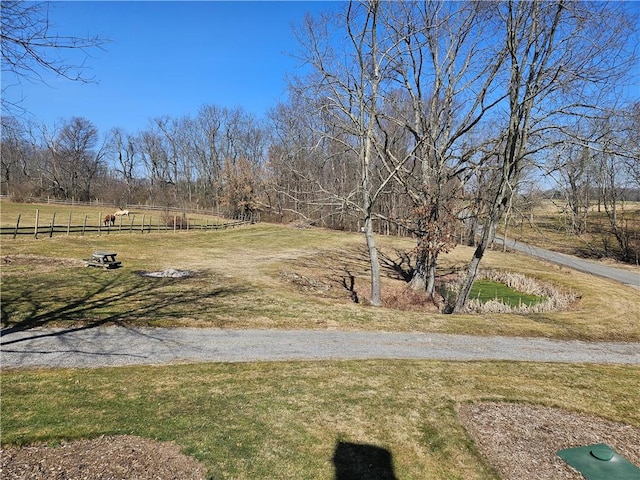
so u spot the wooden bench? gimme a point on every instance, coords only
(103, 259)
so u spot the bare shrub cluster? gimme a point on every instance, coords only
(403, 297)
(179, 222)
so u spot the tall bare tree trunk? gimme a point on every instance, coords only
(374, 262)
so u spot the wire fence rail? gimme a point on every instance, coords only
(133, 223)
(138, 206)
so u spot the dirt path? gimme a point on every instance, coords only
(114, 346)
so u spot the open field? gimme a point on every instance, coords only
(293, 419)
(21, 219)
(550, 227)
(273, 276)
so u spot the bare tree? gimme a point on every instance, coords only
(30, 48)
(155, 158)
(123, 148)
(562, 59)
(573, 166)
(17, 154)
(611, 156)
(347, 88)
(631, 136)
(314, 177)
(75, 158)
(446, 68)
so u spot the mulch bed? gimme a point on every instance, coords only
(520, 441)
(104, 458)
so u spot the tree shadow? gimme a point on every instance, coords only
(350, 286)
(354, 461)
(400, 265)
(343, 266)
(112, 300)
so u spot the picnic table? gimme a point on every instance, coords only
(103, 259)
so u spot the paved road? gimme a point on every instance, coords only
(627, 277)
(114, 346)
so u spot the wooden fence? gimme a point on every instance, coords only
(131, 224)
(139, 206)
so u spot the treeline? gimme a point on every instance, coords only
(424, 118)
(229, 161)
(213, 160)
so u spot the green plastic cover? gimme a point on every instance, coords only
(600, 462)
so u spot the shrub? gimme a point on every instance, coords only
(403, 297)
(181, 221)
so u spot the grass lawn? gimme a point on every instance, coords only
(486, 290)
(285, 420)
(274, 276)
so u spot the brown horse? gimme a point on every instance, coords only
(109, 220)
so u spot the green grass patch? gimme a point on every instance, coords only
(488, 290)
(286, 420)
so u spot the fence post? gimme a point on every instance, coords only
(131, 223)
(84, 224)
(53, 222)
(15, 232)
(35, 231)
(69, 224)
(142, 227)
(175, 220)
(99, 223)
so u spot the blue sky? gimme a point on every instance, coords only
(170, 58)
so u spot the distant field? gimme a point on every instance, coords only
(550, 227)
(89, 219)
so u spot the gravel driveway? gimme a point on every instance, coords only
(627, 277)
(113, 346)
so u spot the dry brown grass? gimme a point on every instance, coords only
(271, 276)
(550, 227)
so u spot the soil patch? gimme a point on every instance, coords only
(104, 458)
(16, 263)
(521, 441)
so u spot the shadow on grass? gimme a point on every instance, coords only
(354, 461)
(344, 265)
(121, 299)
